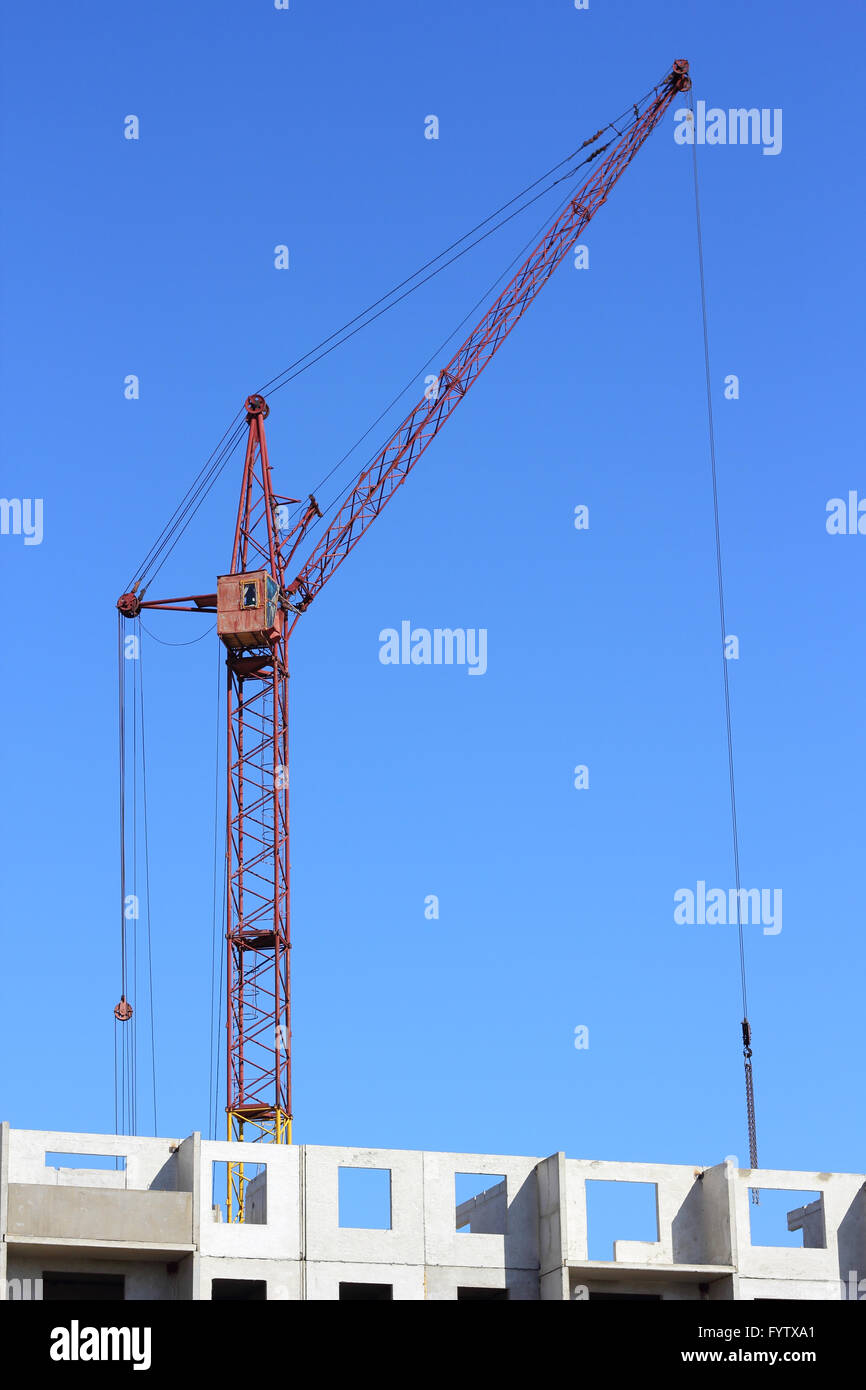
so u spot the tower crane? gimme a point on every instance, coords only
(271, 582)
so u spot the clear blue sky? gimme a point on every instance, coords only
(155, 257)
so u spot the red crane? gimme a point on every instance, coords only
(258, 606)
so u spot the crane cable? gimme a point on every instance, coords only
(215, 464)
(146, 846)
(126, 1047)
(289, 372)
(190, 502)
(745, 1024)
(336, 501)
(334, 504)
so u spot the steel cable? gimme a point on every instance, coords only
(214, 465)
(745, 1025)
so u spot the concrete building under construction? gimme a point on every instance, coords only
(88, 1216)
(148, 1227)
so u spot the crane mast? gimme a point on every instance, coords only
(257, 821)
(257, 609)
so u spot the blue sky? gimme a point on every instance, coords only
(156, 257)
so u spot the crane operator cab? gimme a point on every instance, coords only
(248, 609)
